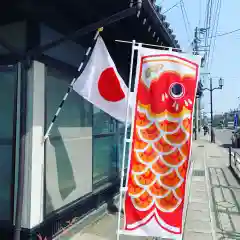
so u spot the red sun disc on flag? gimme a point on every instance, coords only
(109, 86)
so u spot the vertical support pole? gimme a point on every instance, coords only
(230, 156)
(196, 119)
(211, 104)
(235, 159)
(125, 140)
(199, 115)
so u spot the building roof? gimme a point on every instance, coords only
(67, 16)
(70, 15)
(159, 21)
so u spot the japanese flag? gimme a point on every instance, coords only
(101, 84)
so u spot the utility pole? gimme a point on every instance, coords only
(200, 115)
(196, 113)
(211, 103)
(211, 89)
(196, 108)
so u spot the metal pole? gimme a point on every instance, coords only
(195, 123)
(230, 156)
(121, 192)
(211, 103)
(199, 115)
(195, 52)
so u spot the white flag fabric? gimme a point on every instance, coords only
(101, 84)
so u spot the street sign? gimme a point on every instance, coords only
(235, 120)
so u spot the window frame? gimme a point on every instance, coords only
(15, 70)
(68, 71)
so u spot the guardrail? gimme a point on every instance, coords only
(234, 162)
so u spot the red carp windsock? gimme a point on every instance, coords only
(161, 145)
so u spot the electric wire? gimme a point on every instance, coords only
(225, 33)
(208, 18)
(185, 21)
(184, 9)
(175, 5)
(200, 13)
(210, 40)
(214, 43)
(186, 15)
(206, 29)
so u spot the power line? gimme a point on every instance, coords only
(225, 33)
(175, 5)
(188, 22)
(206, 27)
(216, 20)
(200, 13)
(185, 24)
(185, 21)
(209, 26)
(214, 43)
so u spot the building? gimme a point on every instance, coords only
(77, 169)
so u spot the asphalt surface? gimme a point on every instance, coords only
(223, 137)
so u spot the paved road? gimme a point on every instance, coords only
(223, 136)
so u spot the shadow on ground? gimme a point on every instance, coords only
(227, 145)
(226, 205)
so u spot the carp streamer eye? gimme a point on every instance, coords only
(176, 90)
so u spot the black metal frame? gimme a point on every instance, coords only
(14, 139)
(7, 229)
(23, 132)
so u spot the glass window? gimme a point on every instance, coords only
(104, 159)
(8, 80)
(69, 147)
(120, 153)
(102, 122)
(121, 131)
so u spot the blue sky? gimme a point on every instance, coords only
(226, 63)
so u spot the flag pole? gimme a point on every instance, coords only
(155, 46)
(71, 85)
(123, 189)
